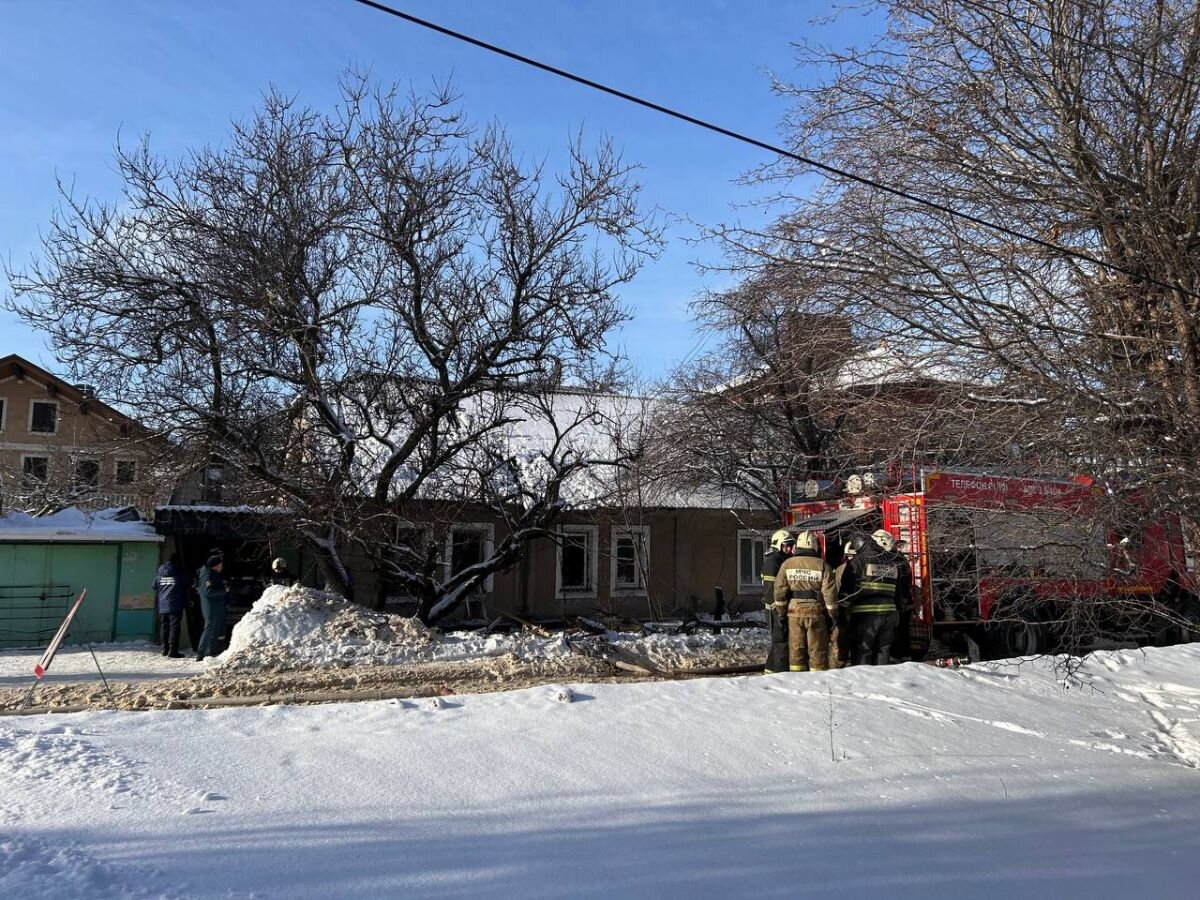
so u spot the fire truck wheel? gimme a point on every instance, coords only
(1189, 611)
(1009, 639)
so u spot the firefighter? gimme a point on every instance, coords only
(902, 646)
(805, 582)
(841, 641)
(782, 543)
(875, 586)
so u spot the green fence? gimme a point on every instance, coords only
(39, 580)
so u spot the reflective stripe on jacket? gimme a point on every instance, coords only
(875, 582)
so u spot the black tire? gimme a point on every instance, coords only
(1189, 611)
(1006, 640)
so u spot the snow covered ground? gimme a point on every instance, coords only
(299, 628)
(132, 661)
(989, 781)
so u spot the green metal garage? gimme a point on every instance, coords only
(46, 561)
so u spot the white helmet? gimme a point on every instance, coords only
(884, 539)
(806, 541)
(781, 538)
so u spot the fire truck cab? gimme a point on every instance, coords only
(1001, 564)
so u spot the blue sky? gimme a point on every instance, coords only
(75, 74)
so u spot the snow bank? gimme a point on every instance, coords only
(297, 627)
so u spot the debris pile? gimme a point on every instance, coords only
(297, 627)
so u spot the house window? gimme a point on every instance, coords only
(87, 474)
(407, 552)
(630, 559)
(3, 412)
(577, 553)
(36, 468)
(125, 472)
(752, 547)
(469, 545)
(43, 417)
(212, 480)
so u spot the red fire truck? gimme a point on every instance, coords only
(996, 560)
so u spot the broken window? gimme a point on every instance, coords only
(87, 474)
(36, 468)
(629, 559)
(126, 471)
(577, 560)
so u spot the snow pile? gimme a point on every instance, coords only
(680, 651)
(298, 627)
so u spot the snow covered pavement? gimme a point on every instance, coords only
(989, 781)
(133, 661)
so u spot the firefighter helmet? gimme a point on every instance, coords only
(857, 542)
(781, 537)
(884, 539)
(805, 540)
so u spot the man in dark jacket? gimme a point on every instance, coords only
(171, 594)
(875, 586)
(782, 544)
(213, 598)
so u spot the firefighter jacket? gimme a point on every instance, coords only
(771, 563)
(806, 578)
(876, 581)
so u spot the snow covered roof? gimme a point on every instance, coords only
(76, 525)
(225, 510)
(886, 365)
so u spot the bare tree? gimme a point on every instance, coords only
(800, 386)
(353, 307)
(1075, 126)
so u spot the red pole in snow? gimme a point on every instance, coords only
(44, 663)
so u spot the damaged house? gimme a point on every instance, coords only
(618, 537)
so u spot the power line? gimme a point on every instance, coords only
(825, 168)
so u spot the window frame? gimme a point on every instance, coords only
(29, 423)
(488, 531)
(405, 594)
(642, 570)
(212, 490)
(592, 537)
(117, 469)
(3, 413)
(76, 461)
(25, 477)
(755, 537)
